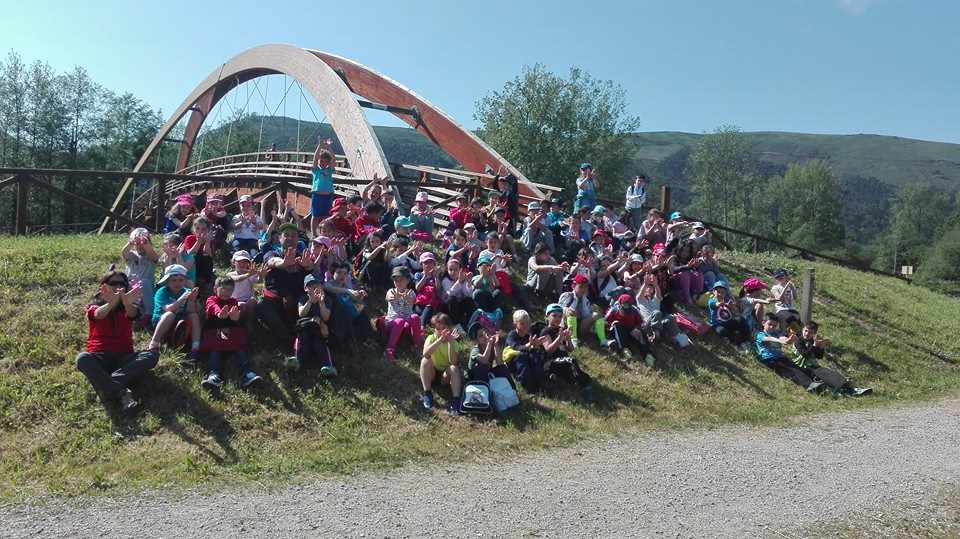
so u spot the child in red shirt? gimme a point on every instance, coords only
(222, 333)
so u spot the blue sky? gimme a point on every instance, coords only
(820, 66)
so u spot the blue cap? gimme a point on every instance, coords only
(585, 166)
(779, 272)
(599, 209)
(485, 259)
(403, 221)
(309, 279)
(675, 215)
(553, 307)
(721, 284)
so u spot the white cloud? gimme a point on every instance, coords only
(855, 7)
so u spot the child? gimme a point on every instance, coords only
(244, 276)
(374, 268)
(700, 237)
(349, 307)
(752, 302)
(486, 287)
(175, 308)
(173, 254)
(439, 363)
(109, 363)
(428, 288)
(784, 293)
(223, 324)
(626, 322)
(459, 249)
(544, 274)
(312, 331)
(421, 215)
(810, 347)
(770, 344)
(723, 319)
(247, 226)
(580, 316)
(486, 356)
(201, 243)
(710, 267)
(368, 223)
(321, 191)
(401, 227)
(400, 317)
(181, 215)
(456, 295)
(556, 353)
(657, 323)
(141, 261)
(524, 352)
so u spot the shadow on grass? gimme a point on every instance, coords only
(169, 400)
(676, 363)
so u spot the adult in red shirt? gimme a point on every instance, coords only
(110, 364)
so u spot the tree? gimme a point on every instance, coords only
(722, 170)
(917, 215)
(942, 260)
(546, 125)
(804, 207)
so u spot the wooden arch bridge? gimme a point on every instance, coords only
(333, 81)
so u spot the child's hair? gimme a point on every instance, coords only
(624, 216)
(224, 281)
(585, 252)
(110, 275)
(373, 208)
(338, 264)
(493, 236)
(353, 199)
(375, 234)
(520, 315)
(326, 224)
(812, 326)
(198, 221)
(324, 154)
(771, 317)
(458, 233)
(173, 238)
(441, 319)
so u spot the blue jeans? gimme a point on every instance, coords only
(215, 362)
(585, 198)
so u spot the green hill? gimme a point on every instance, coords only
(56, 438)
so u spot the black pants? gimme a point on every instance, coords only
(735, 330)
(274, 314)
(786, 369)
(567, 369)
(624, 337)
(487, 300)
(111, 373)
(460, 309)
(311, 351)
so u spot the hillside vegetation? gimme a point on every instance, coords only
(56, 438)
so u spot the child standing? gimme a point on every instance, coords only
(400, 317)
(439, 363)
(223, 334)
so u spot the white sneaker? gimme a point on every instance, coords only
(576, 343)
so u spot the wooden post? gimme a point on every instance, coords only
(665, 200)
(160, 212)
(20, 227)
(806, 309)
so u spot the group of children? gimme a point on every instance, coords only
(626, 282)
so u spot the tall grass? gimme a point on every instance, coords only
(57, 438)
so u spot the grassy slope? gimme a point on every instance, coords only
(56, 438)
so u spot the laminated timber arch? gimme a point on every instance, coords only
(331, 81)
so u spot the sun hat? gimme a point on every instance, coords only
(337, 203)
(185, 200)
(533, 205)
(427, 255)
(170, 271)
(553, 307)
(139, 233)
(585, 166)
(240, 255)
(469, 225)
(720, 284)
(401, 271)
(461, 196)
(474, 329)
(289, 226)
(659, 249)
(246, 198)
(422, 196)
(599, 232)
(629, 235)
(322, 240)
(402, 221)
(214, 197)
(485, 259)
(779, 272)
(599, 209)
(636, 257)
(698, 224)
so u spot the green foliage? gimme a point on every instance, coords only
(57, 438)
(721, 170)
(942, 260)
(803, 207)
(546, 125)
(917, 215)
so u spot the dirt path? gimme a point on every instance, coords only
(731, 481)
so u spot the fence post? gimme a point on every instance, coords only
(160, 212)
(20, 225)
(806, 308)
(665, 200)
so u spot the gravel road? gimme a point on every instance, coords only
(725, 482)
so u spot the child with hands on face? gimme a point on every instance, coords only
(400, 317)
(141, 260)
(312, 332)
(439, 365)
(223, 316)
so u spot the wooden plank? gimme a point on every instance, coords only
(84, 202)
(20, 224)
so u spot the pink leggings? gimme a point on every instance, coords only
(396, 328)
(687, 284)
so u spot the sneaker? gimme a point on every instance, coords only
(605, 344)
(427, 399)
(212, 381)
(249, 378)
(588, 395)
(576, 343)
(649, 360)
(814, 386)
(389, 356)
(861, 391)
(329, 371)
(128, 401)
(291, 363)
(455, 407)
(627, 354)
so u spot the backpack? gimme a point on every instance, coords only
(489, 321)
(476, 399)
(504, 396)
(691, 324)
(529, 370)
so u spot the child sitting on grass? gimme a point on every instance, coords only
(312, 332)
(770, 343)
(223, 334)
(439, 363)
(486, 356)
(723, 318)
(175, 309)
(580, 316)
(244, 276)
(400, 317)
(626, 325)
(784, 293)
(810, 347)
(141, 260)
(556, 354)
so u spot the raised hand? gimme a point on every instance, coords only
(131, 295)
(234, 311)
(107, 292)
(289, 256)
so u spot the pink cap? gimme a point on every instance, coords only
(422, 196)
(185, 200)
(427, 255)
(246, 198)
